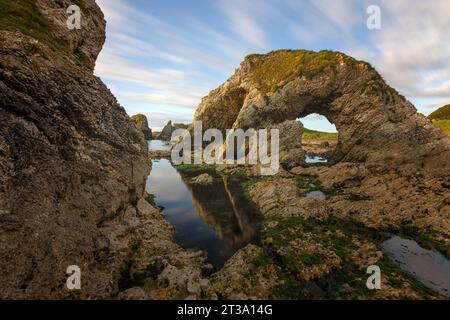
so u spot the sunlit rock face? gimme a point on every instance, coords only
(71, 160)
(375, 123)
(166, 133)
(142, 124)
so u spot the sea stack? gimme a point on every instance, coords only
(142, 124)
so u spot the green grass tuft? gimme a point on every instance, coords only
(309, 134)
(277, 68)
(444, 125)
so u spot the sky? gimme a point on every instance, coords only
(162, 56)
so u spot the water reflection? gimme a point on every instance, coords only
(215, 218)
(158, 145)
(317, 194)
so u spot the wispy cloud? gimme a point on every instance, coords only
(155, 62)
(243, 23)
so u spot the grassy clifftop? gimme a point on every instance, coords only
(24, 16)
(441, 113)
(441, 118)
(279, 67)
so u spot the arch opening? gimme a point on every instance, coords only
(319, 139)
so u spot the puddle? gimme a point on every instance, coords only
(312, 159)
(428, 266)
(317, 194)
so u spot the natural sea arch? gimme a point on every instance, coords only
(375, 122)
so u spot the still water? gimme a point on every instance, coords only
(215, 218)
(428, 266)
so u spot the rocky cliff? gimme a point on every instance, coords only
(72, 163)
(375, 123)
(141, 122)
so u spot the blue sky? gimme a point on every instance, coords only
(161, 57)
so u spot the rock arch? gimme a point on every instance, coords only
(375, 123)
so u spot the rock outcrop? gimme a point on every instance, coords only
(375, 123)
(166, 133)
(72, 163)
(141, 122)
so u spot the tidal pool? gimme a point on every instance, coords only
(215, 218)
(315, 159)
(428, 266)
(158, 145)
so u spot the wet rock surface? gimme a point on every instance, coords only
(203, 179)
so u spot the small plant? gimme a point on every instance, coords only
(150, 198)
(358, 197)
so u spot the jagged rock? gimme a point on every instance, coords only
(71, 160)
(142, 124)
(166, 133)
(375, 123)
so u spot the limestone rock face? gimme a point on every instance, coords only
(166, 133)
(71, 160)
(141, 122)
(375, 123)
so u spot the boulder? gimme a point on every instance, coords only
(203, 179)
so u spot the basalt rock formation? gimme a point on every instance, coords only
(141, 122)
(375, 123)
(72, 163)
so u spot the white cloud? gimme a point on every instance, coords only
(413, 47)
(243, 23)
(168, 65)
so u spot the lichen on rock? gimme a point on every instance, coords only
(142, 124)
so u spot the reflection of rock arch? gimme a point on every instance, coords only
(218, 207)
(375, 123)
